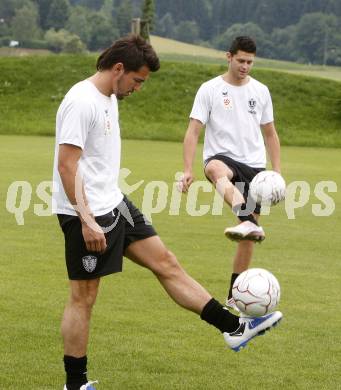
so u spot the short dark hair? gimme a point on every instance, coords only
(243, 43)
(132, 51)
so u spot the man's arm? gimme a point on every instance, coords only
(68, 158)
(273, 146)
(190, 145)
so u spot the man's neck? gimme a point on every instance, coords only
(228, 77)
(101, 82)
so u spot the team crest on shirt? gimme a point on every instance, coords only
(252, 105)
(226, 100)
(89, 263)
(108, 129)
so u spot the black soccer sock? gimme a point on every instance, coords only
(233, 278)
(239, 211)
(75, 369)
(215, 314)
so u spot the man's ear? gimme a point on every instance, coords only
(118, 69)
(228, 56)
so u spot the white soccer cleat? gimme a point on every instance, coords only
(231, 304)
(249, 328)
(87, 386)
(245, 231)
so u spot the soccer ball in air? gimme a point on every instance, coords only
(267, 187)
(256, 292)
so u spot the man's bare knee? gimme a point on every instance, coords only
(83, 293)
(167, 265)
(215, 170)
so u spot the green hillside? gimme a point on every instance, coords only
(307, 109)
(171, 50)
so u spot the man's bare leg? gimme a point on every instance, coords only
(75, 330)
(184, 290)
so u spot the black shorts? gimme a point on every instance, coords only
(125, 224)
(242, 173)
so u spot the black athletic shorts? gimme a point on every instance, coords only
(125, 224)
(242, 173)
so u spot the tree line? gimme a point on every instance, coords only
(66, 25)
(307, 31)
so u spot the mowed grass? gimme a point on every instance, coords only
(140, 339)
(307, 110)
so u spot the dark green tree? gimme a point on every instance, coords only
(204, 18)
(224, 41)
(123, 16)
(148, 12)
(78, 23)
(102, 32)
(284, 45)
(107, 9)
(314, 35)
(44, 8)
(8, 8)
(4, 29)
(165, 26)
(93, 4)
(25, 23)
(334, 7)
(59, 13)
(187, 31)
(270, 14)
(63, 40)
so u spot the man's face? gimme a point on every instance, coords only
(131, 82)
(240, 64)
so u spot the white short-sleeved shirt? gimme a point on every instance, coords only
(88, 119)
(232, 116)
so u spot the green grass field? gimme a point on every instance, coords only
(307, 109)
(140, 339)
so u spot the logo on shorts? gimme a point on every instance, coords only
(252, 105)
(89, 263)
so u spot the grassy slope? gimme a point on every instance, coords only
(307, 109)
(171, 50)
(174, 50)
(142, 340)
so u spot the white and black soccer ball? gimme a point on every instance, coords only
(256, 292)
(267, 188)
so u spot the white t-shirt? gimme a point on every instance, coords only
(233, 115)
(89, 119)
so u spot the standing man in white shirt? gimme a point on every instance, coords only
(237, 112)
(100, 224)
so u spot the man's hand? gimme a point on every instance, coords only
(94, 237)
(185, 182)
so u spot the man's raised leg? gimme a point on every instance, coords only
(184, 290)
(221, 175)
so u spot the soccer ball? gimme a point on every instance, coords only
(268, 188)
(256, 292)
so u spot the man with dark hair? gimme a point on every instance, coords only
(236, 109)
(100, 224)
